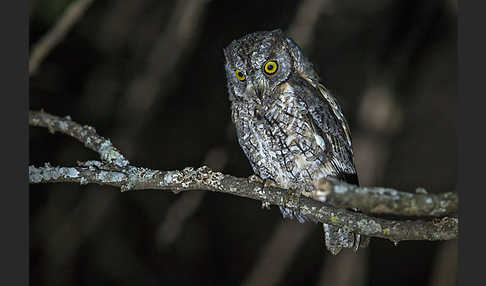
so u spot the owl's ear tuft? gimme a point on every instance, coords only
(226, 55)
(301, 63)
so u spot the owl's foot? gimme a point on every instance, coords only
(293, 213)
(288, 196)
(255, 179)
(266, 184)
(269, 183)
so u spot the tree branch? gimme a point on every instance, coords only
(85, 134)
(114, 170)
(378, 200)
(138, 178)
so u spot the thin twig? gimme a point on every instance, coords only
(85, 134)
(42, 48)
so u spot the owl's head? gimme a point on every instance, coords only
(258, 63)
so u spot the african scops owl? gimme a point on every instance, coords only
(288, 125)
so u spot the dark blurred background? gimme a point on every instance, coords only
(149, 75)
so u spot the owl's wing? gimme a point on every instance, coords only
(328, 121)
(340, 136)
(337, 113)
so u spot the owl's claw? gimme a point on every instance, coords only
(266, 184)
(269, 183)
(287, 197)
(255, 179)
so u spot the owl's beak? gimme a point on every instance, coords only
(259, 92)
(258, 88)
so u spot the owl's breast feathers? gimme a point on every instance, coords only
(294, 137)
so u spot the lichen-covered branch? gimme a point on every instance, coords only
(86, 134)
(114, 170)
(378, 200)
(137, 178)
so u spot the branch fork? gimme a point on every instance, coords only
(421, 216)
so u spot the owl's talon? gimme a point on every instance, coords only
(255, 179)
(269, 183)
(289, 195)
(306, 194)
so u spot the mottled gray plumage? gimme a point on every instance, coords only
(290, 128)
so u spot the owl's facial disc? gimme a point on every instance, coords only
(257, 64)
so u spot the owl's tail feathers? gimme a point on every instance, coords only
(337, 238)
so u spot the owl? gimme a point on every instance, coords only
(290, 128)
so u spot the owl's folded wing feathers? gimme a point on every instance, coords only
(327, 121)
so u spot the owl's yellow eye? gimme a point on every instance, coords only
(270, 67)
(240, 75)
